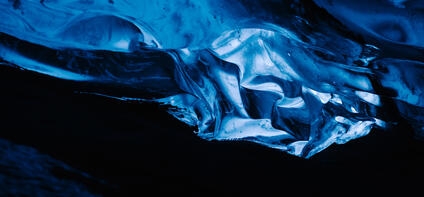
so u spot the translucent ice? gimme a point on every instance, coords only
(289, 74)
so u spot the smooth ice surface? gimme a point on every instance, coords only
(289, 74)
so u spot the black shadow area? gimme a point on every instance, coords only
(139, 149)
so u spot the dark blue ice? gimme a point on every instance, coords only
(289, 74)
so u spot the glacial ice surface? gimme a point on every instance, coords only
(293, 75)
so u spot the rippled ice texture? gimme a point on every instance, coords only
(289, 74)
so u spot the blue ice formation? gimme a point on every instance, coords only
(293, 75)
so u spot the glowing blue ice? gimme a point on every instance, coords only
(290, 74)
